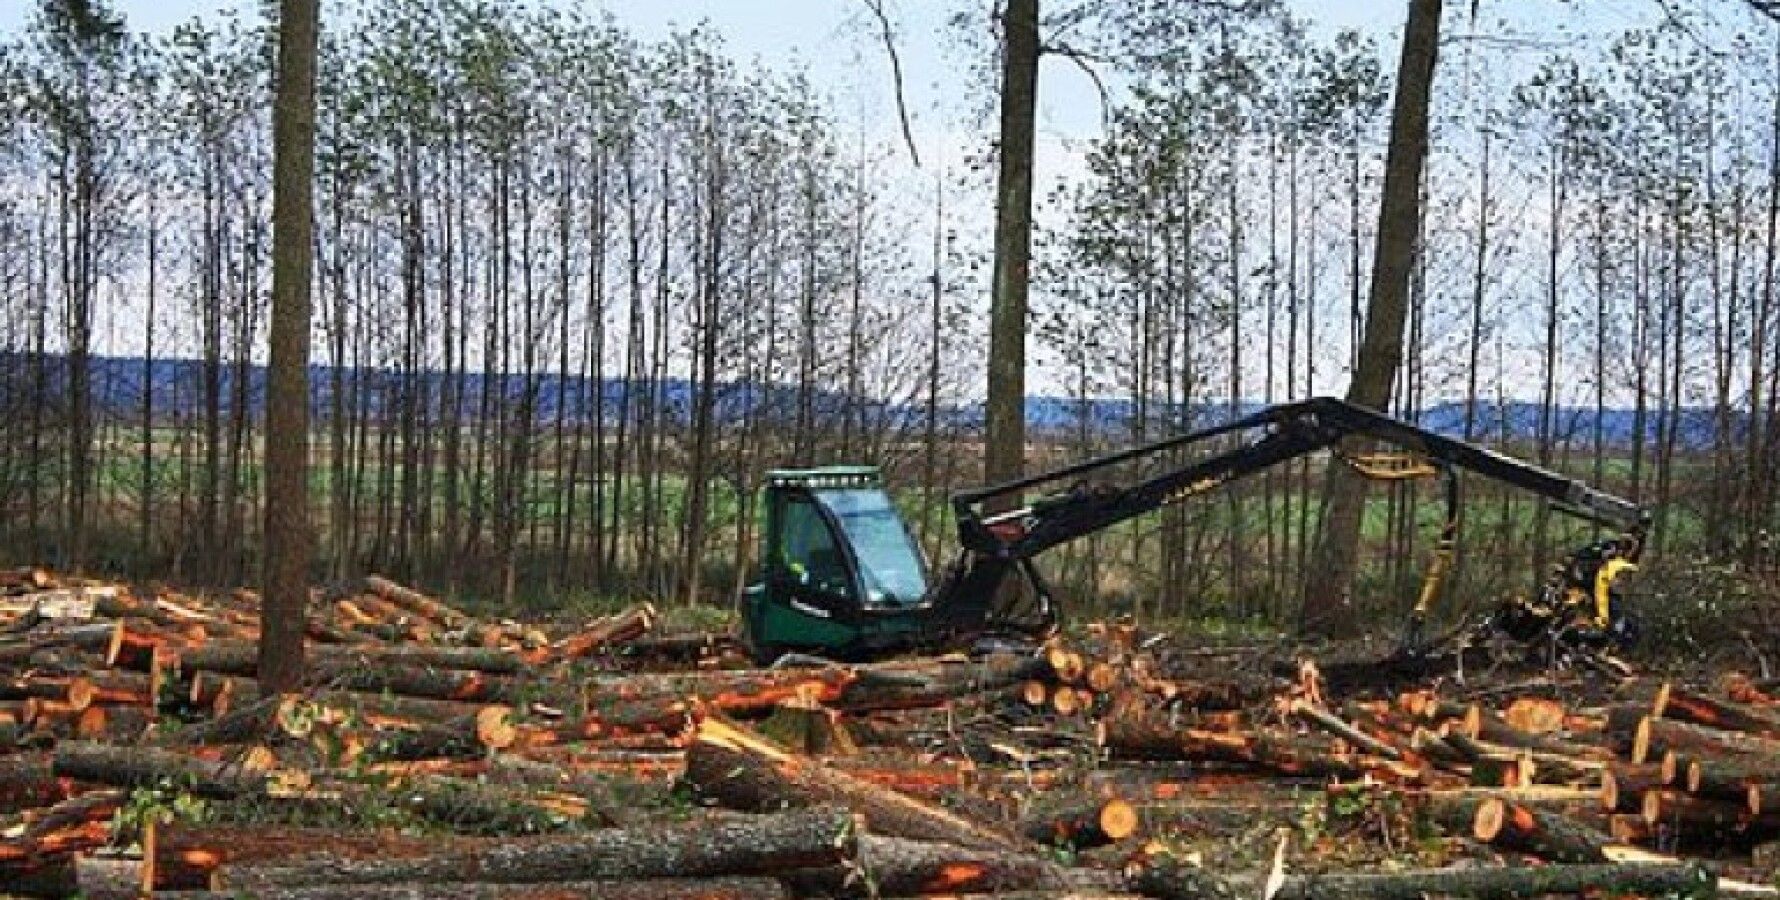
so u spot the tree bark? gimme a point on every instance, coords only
(744, 772)
(737, 888)
(762, 845)
(1545, 834)
(1005, 440)
(1331, 574)
(1648, 880)
(132, 767)
(897, 867)
(287, 533)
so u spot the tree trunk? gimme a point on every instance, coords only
(731, 846)
(745, 772)
(640, 889)
(1399, 222)
(1634, 878)
(897, 867)
(287, 401)
(1005, 439)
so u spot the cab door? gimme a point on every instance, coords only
(806, 572)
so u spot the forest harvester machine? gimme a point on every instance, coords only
(841, 576)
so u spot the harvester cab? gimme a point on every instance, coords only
(839, 572)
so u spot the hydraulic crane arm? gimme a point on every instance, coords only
(1088, 504)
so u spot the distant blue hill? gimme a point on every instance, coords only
(177, 389)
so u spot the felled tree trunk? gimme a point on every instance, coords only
(1529, 881)
(1697, 820)
(644, 889)
(1273, 750)
(753, 845)
(1728, 779)
(1683, 706)
(1542, 833)
(1623, 786)
(1081, 825)
(897, 867)
(112, 878)
(1167, 878)
(625, 626)
(743, 771)
(1657, 736)
(26, 782)
(132, 767)
(413, 600)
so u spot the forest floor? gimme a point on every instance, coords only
(437, 754)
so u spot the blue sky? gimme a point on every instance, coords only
(831, 37)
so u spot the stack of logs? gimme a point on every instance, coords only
(435, 753)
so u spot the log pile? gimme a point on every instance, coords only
(437, 753)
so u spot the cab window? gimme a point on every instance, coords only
(809, 552)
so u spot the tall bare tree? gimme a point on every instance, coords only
(1005, 450)
(1381, 349)
(287, 390)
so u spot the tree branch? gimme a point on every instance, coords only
(1082, 58)
(902, 109)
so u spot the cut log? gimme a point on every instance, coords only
(1700, 818)
(1763, 797)
(37, 858)
(26, 782)
(1684, 706)
(1535, 715)
(1437, 750)
(1620, 732)
(1658, 736)
(1081, 825)
(1333, 724)
(1684, 880)
(897, 867)
(116, 724)
(1492, 729)
(112, 877)
(1166, 877)
(1102, 677)
(246, 724)
(76, 691)
(1623, 786)
(488, 728)
(733, 692)
(1728, 778)
(241, 658)
(415, 601)
(1543, 833)
(686, 647)
(462, 685)
(733, 888)
(603, 719)
(1066, 701)
(625, 626)
(133, 767)
(903, 685)
(746, 772)
(755, 845)
(1125, 733)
